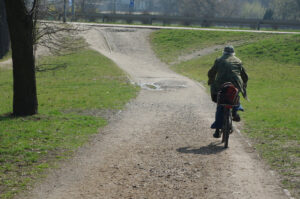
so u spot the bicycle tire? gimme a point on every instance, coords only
(223, 136)
(226, 127)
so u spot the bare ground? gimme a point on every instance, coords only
(161, 145)
(41, 51)
(6, 64)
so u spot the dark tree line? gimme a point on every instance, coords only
(4, 34)
(277, 9)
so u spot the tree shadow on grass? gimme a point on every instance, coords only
(11, 116)
(6, 116)
(212, 148)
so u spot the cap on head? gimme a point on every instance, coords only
(229, 50)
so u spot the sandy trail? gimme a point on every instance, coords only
(160, 146)
(6, 64)
(41, 51)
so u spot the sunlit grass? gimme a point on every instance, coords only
(169, 44)
(272, 116)
(68, 100)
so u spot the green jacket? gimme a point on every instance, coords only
(228, 68)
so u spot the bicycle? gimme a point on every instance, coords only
(227, 123)
(228, 98)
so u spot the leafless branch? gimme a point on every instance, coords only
(34, 6)
(54, 38)
(60, 39)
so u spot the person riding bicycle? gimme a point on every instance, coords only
(227, 68)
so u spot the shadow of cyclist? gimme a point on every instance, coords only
(212, 148)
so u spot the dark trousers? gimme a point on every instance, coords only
(220, 115)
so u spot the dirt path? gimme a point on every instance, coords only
(160, 146)
(41, 51)
(6, 64)
(205, 51)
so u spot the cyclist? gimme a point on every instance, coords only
(227, 68)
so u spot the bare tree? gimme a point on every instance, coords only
(287, 9)
(169, 7)
(55, 38)
(21, 25)
(229, 8)
(59, 39)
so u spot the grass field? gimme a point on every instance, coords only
(272, 116)
(169, 44)
(71, 102)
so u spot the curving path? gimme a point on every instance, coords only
(160, 146)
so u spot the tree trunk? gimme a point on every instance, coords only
(20, 24)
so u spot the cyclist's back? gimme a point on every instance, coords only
(227, 68)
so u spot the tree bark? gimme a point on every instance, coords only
(20, 23)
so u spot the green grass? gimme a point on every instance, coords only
(68, 100)
(272, 116)
(169, 44)
(274, 112)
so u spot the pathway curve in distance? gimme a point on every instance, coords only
(161, 145)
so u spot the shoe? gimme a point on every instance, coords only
(236, 117)
(217, 134)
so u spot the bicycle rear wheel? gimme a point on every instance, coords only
(226, 127)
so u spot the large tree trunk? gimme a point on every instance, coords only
(4, 34)
(20, 23)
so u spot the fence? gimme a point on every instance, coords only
(204, 22)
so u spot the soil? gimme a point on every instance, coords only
(198, 53)
(6, 64)
(160, 145)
